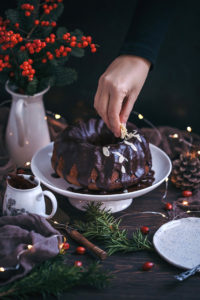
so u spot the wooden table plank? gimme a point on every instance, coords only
(130, 281)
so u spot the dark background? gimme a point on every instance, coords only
(171, 94)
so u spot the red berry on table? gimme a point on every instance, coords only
(65, 246)
(144, 229)
(186, 193)
(93, 50)
(78, 263)
(36, 22)
(168, 206)
(147, 266)
(80, 250)
(44, 60)
(16, 25)
(47, 11)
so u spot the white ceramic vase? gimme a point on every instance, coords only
(27, 129)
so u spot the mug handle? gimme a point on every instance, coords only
(54, 204)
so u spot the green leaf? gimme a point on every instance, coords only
(60, 31)
(22, 56)
(64, 76)
(43, 83)
(32, 86)
(56, 13)
(78, 33)
(12, 15)
(77, 52)
(3, 77)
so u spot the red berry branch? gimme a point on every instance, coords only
(33, 59)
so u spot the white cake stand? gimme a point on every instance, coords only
(41, 168)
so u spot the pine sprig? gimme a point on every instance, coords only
(55, 276)
(101, 226)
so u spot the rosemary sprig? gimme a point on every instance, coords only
(53, 277)
(100, 225)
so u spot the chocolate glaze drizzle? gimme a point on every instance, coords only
(145, 182)
(82, 145)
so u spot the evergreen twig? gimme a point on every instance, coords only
(101, 226)
(55, 276)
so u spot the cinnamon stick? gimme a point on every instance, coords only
(78, 237)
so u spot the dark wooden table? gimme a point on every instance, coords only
(130, 281)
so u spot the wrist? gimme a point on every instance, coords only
(137, 60)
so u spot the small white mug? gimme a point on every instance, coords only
(19, 201)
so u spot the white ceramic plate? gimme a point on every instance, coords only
(178, 242)
(41, 167)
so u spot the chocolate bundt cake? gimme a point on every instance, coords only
(90, 156)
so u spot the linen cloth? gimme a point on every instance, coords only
(16, 233)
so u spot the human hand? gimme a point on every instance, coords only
(118, 89)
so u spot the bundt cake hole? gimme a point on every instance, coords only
(103, 139)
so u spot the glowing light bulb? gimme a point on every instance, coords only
(2, 269)
(140, 116)
(167, 179)
(27, 163)
(189, 129)
(55, 222)
(57, 116)
(61, 245)
(45, 117)
(198, 152)
(185, 203)
(29, 247)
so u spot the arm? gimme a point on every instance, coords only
(120, 85)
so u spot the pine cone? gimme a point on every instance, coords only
(186, 172)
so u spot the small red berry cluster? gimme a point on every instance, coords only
(4, 63)
(85, 41)
(49, 7)
(35, 46)
(51, 39)
(45, 23)
(27, 69)
(8, 38)
(28, 9)
(62, 51)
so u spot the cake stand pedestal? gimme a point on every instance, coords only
(113, 206)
